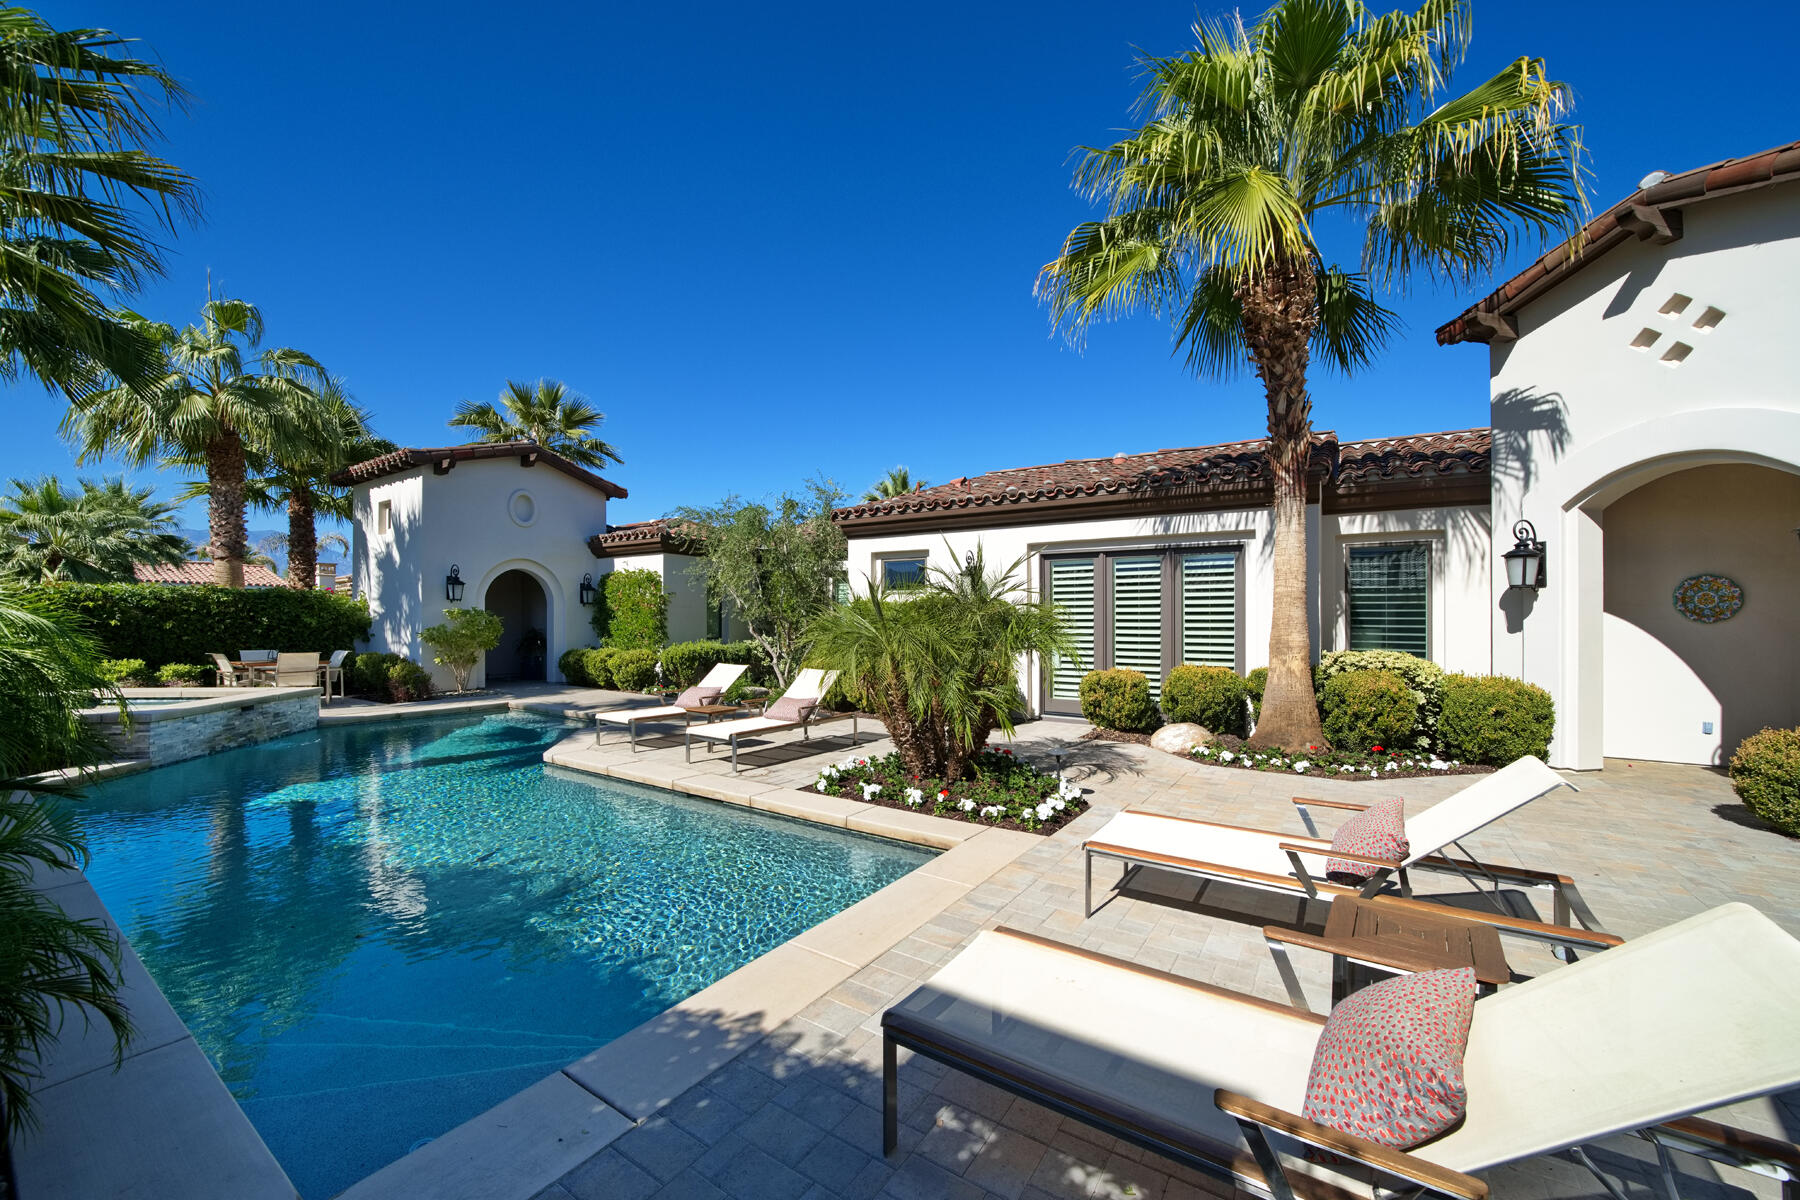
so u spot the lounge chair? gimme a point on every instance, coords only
(1278, 862)
(1689, 1018)
(333, 670)
(809, 687)
(294, 669)
(718, 681)
(230, 674)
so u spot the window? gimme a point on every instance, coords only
(1388, 592)
(384, 516)
(902, 570)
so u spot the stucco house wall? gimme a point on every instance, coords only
(1460, 542)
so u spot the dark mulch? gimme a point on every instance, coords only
(1116, 735)
(1226, 741)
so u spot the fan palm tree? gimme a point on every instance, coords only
(218, 400)
(896, 482)
(547, 413)
(1215, 207)
(92, 536)
(79, 201)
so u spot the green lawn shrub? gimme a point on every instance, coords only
(1424, 678)
(160, 623)
(182, 674)
(1765, 773)
(1365, 709)
(1118, 699)
(634, 670)
(1257, 682)
(597, 664)
(1493, 719)
(407, 680)
(389, 678)
(633, 611)
(572, 664)
(686, 663)
(1209, 696)
(123, 671)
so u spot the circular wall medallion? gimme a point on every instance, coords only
(1708, 599)
(521, 507)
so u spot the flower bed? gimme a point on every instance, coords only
(1377, 763)
(1005, 791)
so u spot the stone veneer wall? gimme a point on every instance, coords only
(173, 737)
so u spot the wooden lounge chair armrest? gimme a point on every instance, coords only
(1304, 801)
(1591, 938)
(1722, 1143)
(1299, 937)
(1384, 864)
(1383, 1158)
(1517, 874)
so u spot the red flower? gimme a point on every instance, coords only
(1376, 750)
(1006, 751)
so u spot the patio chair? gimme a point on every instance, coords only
(334, 669)
(230, 675)
(1692, 1017)
(717, 682)
(297, 669)
(794, 710)
(1278, 862)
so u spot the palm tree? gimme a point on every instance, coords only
(895, 483)
(78, 196)
(219, 401)
(1256, 136)
(47, 532)
(548, 414)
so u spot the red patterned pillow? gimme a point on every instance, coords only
(1378, 832)
(1389, 1067)
(695, 696)
(791, 710)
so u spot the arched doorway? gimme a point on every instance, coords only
(519, 601)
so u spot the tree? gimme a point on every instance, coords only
(896, 482)
(219, 401)
(465, 635)
(548, 414)
(778, 564)
(1258, 135)
(93, 536)
(80, 200)
(940, 664)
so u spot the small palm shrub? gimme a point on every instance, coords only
(1493, 719)
(122, 671)
(180, 674)
(1765, 773)
(1365, 709)
(634, 670)
(1118, 699)
(1424, 678)
(1209, 696)
(572, 664)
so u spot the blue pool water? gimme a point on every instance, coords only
(377, 932)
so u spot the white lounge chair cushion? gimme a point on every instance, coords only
(722, 731)
(1254, 850)
(630, 716)
(1480, 804)
(809, 684)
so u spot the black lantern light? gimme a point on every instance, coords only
(453, 584)
(587, 588)
(1525, 561)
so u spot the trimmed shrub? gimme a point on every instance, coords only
(1765, 773)
(1365, 709)
(597, 664)
(1257, 682)
(1424, 678)
(633, 611)
(1209, 696)
(407, 680)
(1494, 719)
(122, 670)
(572, 665)
(386, 677)
(686, 663)
(181, 674)
(1118, 699)
(163, 624)
(634, 670)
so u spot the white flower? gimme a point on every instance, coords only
(1043, 812)
(1392, 765)
(822, 784)
(1302, 765)
(1225, 756)
(871, 790)
(992, 810)
(1438, 764)
(914, 796)
(1068, 791)
(966, 804)
(1058, 803)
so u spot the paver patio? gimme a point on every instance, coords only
(797, 1114)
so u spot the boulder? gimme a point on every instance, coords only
(1179, 739)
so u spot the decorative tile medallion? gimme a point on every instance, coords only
(1708, 599)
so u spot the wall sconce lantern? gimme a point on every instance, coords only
(453, 584)
(1525, 561)
(587, 588)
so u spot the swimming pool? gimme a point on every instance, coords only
(376, 932)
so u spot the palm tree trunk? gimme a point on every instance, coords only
(225, 508)
(1280, 311)
(303, 539)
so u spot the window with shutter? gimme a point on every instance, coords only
(1137, 616)
(1209, 633)
(1388, 590)
(1072, 591)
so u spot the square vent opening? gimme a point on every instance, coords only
(1675, 305)
(1709, 320)
(1677, 354)
(1645, 339)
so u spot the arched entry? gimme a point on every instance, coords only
(519, 601)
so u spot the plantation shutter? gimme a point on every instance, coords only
(1209, 609)
(1072, 591)
(1388, 591)
(1137, 615)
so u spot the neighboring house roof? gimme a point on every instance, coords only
(661, 536)
(443, 459)
(1651, 213)
(1233, 474)
(255, 576)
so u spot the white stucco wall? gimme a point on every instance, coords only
(487, 516)
(1459, 537)
(1581, 418)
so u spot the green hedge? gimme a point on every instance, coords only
(1118, 699)
(572, 664)
(596, 664)
(1257, 682)
(633, 611)
(1365, 709)
(386, 677)
(634, 670)
(1765, 773)
(1424, 678)
(162, 623)
(1209, 696)
(125, 672)
(182, 674)
(1493, 719)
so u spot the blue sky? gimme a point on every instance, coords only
(773, 240)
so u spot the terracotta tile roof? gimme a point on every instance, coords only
(443, 458)
(1376, 459)
(255, 576)
(1652, 213)
(661, 535)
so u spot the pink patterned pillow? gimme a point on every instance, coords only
(790, 710)
(1389, 1067)
(695, 696)
(1377, 832)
